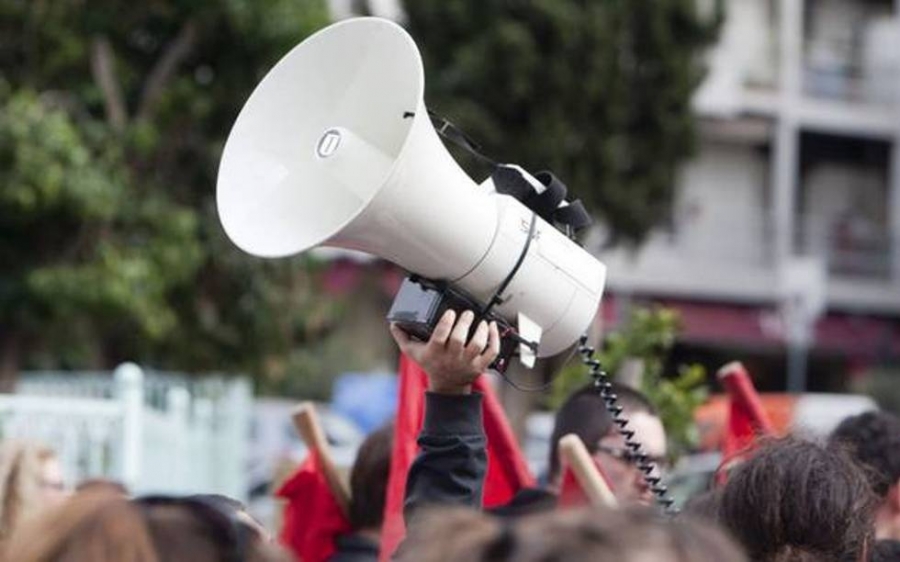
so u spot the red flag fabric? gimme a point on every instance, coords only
(747, 419)
(507, 471)
(312, 517)
(571, 494)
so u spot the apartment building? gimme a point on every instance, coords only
(795, 193)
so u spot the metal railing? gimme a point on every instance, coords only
(155, 432)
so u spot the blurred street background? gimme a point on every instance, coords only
(741, 158)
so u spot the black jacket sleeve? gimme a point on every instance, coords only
(452, 460)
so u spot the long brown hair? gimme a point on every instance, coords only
(460, 535)
(103, 526)
(93, 525)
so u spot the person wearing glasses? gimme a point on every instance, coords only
(584, 414)
(452, 462)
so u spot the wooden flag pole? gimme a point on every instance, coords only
(306, 421)
(576, 456)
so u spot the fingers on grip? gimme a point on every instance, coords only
(443, 329)
(478, 342)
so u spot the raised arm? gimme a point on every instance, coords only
(452, 462)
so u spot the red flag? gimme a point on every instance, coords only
(507, 471)
(571, 492)
(747, 419)
(312, 517)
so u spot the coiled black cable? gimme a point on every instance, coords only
(642, 461)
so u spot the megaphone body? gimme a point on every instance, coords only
(335, 148)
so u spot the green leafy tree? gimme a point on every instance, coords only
(112, 122)
(645, 341)
(598, 91)
(81, 256)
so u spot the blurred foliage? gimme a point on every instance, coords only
(112, 119)
(597, 91)
(648, 337)
(881, 384)
(80, 256)
(113, 115)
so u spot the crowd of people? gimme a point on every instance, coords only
(787, 499)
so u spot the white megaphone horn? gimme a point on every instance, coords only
(335, 148)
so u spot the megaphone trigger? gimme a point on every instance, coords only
(420, 304)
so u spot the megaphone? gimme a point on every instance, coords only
(335, 148)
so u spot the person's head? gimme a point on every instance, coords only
(236, 509)
(584, 413)
(873, 440)
(704, 506)
(102, 526)
(369, 478)
(630, 535)
(93, 484)
(31, 480)
(797, 500)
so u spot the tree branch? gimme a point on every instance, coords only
(176, 51)
(103, 69)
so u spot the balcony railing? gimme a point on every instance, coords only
(850, 249)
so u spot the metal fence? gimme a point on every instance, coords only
(154, 431)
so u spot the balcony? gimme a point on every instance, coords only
(716, 260)
(851, 52)
(734, 260)
(842, 76)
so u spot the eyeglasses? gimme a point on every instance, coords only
(626, 455)
(237, 535)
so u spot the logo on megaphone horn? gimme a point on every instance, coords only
(329, 143)
(335, 148)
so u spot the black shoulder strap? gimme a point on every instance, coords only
(455, 135)
(550, 204)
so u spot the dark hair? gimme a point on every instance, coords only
(886, 551)
(234, 509)
(704, 506)
(369, 477)
(101, 525)
(224, 503)
(873, 439)
(584, 413)
(449, 534)
(628, 535)
(797, 500)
